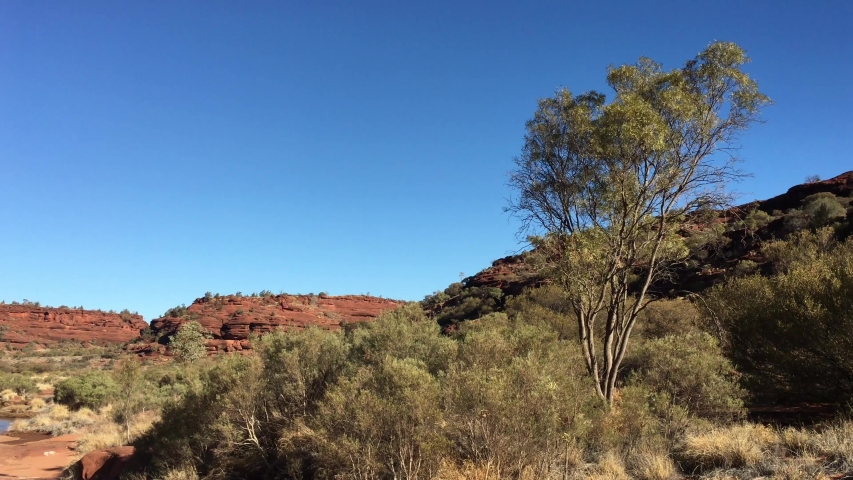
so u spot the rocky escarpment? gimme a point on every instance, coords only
(737, 245)
(231, 319)
(24, 324)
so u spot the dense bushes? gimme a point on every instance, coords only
(20, 384)
(792, 333)
(92, 390)
(692, 371)
(396, 398)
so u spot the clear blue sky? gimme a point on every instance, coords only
(152, 151)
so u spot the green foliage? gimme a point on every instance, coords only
(669, 317)
(823, 208)
(547, 305)
(391, 398)
(792, 333)
(188, 344)
(128, 377)
(608, 187)
(692, 371)
(459, 302)
(384, 420)
(20, 384)
(176, 312)
(92, 390)
(756, 220)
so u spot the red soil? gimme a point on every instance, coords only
(35, 456)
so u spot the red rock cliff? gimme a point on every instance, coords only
(234, 318)
(22, 324)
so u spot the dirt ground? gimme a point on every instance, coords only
(35, 456)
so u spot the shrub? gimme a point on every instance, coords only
(385, 419)
(20, 384)
(547, 305)
(92, 390)
(668, 317)
(822, 208)
(692, 371)
(792, 333)
(188, 344)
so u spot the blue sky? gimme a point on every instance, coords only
(152, 151)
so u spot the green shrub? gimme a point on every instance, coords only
(792, 333)
(20, 384)
(92, 390)
(823, 208)
(384, 419)
(547, 305)
(668, 317)
(692, 371)
(189, 344)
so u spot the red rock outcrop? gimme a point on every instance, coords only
(105, 464)
(22, 324)
(231, 319)
(511, 274)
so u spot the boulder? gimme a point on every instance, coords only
(105, 464)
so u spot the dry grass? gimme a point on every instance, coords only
(186, 473)
(609, 467)
(37, 404)
(105, 433)
(8, 395)
(800, 468)
(737, 446)
(468, 471)
(54, 419)
(649, 464)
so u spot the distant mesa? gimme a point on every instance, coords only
(231, 319)
(22, 324)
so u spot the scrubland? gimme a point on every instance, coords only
(505, 396)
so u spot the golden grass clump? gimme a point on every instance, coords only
(58, 412)
(609, 467)
(185, 473)
(733, 447)
(468, 471)
(105, 433)
(800, 468)
(648, 464)
(835, 444)
(8, 395)
(37, 404)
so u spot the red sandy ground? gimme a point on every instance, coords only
(35, 456)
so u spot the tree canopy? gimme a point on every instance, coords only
(604, 187)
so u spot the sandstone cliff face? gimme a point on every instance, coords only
(22, 324)
(231, 319)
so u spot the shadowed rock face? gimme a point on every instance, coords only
(231, 319)
(840, 186)
(23, 324)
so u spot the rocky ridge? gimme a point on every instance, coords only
(22, 324)
(231, 319)
(511, 275)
